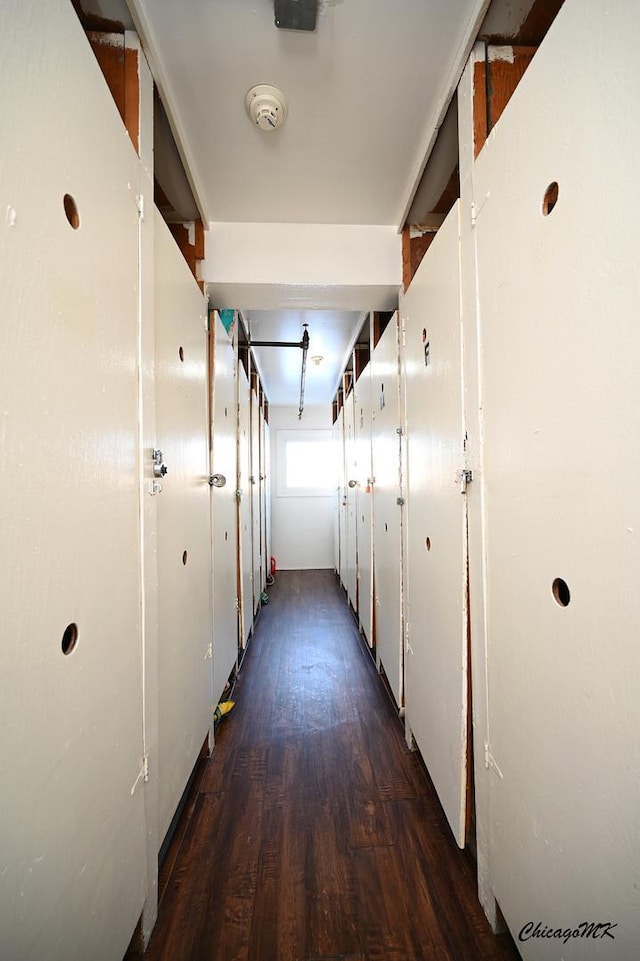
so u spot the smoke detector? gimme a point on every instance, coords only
(266, 106)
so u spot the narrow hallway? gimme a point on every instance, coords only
(313, 832)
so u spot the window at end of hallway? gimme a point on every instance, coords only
(307, 463)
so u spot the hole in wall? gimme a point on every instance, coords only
(385, 528)
(69, 638)
(226, 535)
(225, 412)
(550, 198)
(424, 335)
(71, 211)
(181, 354)
(561, 592)
(427, 543)
(185, 558)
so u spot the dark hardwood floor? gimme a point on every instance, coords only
(313, 833)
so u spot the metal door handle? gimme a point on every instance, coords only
(353, 483)
(159, 467)
(217, 480)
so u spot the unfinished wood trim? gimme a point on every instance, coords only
(504, 76)
(361, 357)
(494, 84)
(119, 65)
(406, 264)
(132, 97)
(193, 253)
(480, 108)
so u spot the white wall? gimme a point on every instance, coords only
(302, 527)
(303, 266)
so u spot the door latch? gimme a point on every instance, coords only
(465, 477)
(217, 480)
(159, 467)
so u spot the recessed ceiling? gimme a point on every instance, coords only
(331, 335)
(365, 91)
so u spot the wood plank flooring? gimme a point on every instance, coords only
(314, 834)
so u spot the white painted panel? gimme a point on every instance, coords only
(184, 523)
(436, 576)
(255, 498)
(559, 302)
(267, 505)
(342, 502)
(351, 533)
(225, 511)
(364, 498)
(244, 503)
(387, 513)
(264, 560)
(72, 830)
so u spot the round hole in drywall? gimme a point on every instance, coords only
(181, 354)
(550, 198)
(71, 211)
(561, 592)
(427, 543)
(69, 638)
(185, 558)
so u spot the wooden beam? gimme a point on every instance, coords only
(119, 67)
(494, 84)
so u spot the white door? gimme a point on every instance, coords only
(267, 506)
(225, 537)
(264, 560)
(342, 502)
(336, 437)
(386, 509)
(351, 481)
(72, 823)
(436, 576)
(364, 513)
(559, 308)
(184, 522)
(255, 498)
(244, 504)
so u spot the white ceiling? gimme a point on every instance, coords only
(332, 334)
(366, 93)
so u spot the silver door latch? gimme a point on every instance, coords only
(217, 480)
(159, 467)
(465, 477)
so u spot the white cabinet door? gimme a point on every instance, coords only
(342, 501)
(386, 510)
(225, 511)
(559, 307)
(256, 521)
(351, 532)
(436, 576)
(72, 822)
(244, 504)
(364, 513)
(184, 523)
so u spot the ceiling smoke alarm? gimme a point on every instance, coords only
(266, 106)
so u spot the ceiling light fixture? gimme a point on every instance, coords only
(266, 106)
(317, 359)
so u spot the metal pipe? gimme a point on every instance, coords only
(305, 348)
(275, 343)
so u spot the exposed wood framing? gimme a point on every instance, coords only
(414, 246)
(190, 240)
(494, 84)
(119, 65)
